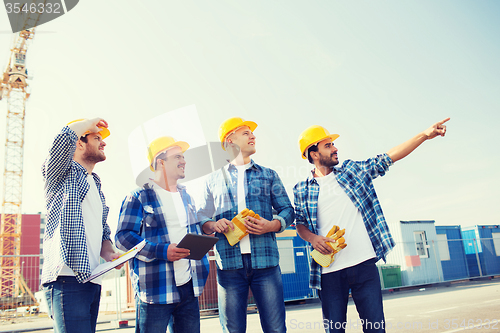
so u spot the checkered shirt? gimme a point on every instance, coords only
(263, 192)
(153, 277)
(355, 177)
(64, 241)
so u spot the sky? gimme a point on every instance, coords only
(375, 72)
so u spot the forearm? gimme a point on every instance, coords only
(208, 227)
(275, 225)
(401, 151)
(305, 233)
(107, 250)
(404, 149)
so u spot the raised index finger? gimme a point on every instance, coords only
(443, 121)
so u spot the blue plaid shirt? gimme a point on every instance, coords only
(263, 192)
(356, 180)
(153, 277)
(65, 188)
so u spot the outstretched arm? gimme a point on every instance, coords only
(402, 150)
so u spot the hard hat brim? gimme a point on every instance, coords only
(252, 125)
(181, 144)
(331, 136)
(103, 130)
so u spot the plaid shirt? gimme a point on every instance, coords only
(66, 186)
(263, 192)
(141, 217)
(356, 180)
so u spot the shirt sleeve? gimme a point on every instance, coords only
(281, 203)
(298, 202)
(376, 166)
(206, 208)
(128, 233)
(60, 155)
(106, 234)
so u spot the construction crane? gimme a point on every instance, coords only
(14, 88)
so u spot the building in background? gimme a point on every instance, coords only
(31, 249)
(416, 253)
(482, 248)
(452, 252)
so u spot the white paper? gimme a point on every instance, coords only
(107, 266)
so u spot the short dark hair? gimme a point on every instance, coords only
(160, 156)
(84, 138)
(309, 150)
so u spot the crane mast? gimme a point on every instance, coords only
(14, 89)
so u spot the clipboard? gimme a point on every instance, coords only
(199, 245)
(107, 266)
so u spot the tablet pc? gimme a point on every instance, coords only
(199, 245)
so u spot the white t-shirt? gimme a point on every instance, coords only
(92, 219)
(241, 198)
(336, 208)
(176, 219)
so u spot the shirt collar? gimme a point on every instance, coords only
(152, 184)
(253, 165)
(312, 179)
(81, 168)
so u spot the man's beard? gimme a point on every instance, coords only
(93, 157)
(327, 161)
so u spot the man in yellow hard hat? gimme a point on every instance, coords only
(166, 285)
(344, 196)
(76, 234)
(253, 261)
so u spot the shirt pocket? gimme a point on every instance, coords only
(354, 185)
(149, 220)
(360, 190)
(259, 189)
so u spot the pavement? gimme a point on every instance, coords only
(440, 307)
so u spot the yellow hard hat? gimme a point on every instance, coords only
(104, 131)
(162, 143)
(313, 135)
(230, 125)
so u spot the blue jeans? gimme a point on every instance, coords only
(156, 317)
(267, 289)
(73, 306)
(364, 282)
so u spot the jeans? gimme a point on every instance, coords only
(73, 306)
(155, 318)
(364, 282)
(267, 289)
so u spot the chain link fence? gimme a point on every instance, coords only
(409, 264)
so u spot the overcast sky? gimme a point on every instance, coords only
(375, 72)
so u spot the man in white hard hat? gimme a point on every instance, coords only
(166, 285)
(345, 197)
(76, 233)
(252, 263)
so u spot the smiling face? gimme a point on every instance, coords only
(244, 138)
(174, 164)
(326, 155)
(94, 148)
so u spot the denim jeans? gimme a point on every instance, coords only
(267, 289)
(73, 306)
(153, 318)
(364, 282)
